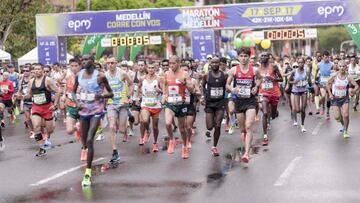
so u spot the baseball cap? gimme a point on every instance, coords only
(209, 56)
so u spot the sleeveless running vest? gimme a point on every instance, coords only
(301, 85)
(118, 87)
(215, 90)
(354, 72)
(13, 78)
(340, 87)
(150, 97)
(24, 90)
(70, 81)
(176, 90)
(88, 89)
(136, 87)
(245, 82)
(40, 95)
(325, 72)
(268, 87)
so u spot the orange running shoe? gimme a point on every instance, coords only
(185, 152)
(83, 156)
(77, 135)
(146, 136)
(155, 147)
(171, 146)
(245, 158)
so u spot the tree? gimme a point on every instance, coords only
(330, 38)
(17, 24)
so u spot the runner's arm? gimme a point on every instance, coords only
(230, 79)
(109, 93)
(353, 82)
(29, 93)
(329, 84)
(278, 77)
(51, 85)
(129, 83)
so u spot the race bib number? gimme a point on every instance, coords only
(244, 91)
(267, 85)
(4, 88)
(87, 97)
(150, 101)
(174, 99)
(216, 92)
(324, 79)
(340, 92)
(39, 98)
(301, 83)
(117, 95)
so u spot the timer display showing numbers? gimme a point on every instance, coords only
(284, 34)
(130, 41)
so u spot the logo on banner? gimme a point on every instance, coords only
(329, 10)
(77, 24)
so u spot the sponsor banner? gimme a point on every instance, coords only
(202, 44)
(47, 50)
(194, 18)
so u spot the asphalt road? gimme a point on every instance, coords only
(316, 166)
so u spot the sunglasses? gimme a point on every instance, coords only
(112, 63)
(26, 70)
(46, 71)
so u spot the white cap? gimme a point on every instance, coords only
(209, 56)
(130, 63)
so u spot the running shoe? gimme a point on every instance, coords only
(42, 152)
(342, 129)
(115, 158)
(86, 182)
(146, 136)
(185, 153)
(2, 145)
(188, 145)
(214, 151)
(77, 135)
(130, 132)
(295, 123)
(223, 122)
(100, 137)
(47, 144)
(208, 134)
(226, 126)
(2, 124)
(245, 158)
(141, 141)
(83, 155)
(32, 135)
(317, 112)
(303, 128)
(231, 129)
(355, 109)
(155, 147)
(243, 136)
(171, 146)
(265, 141)
(346, 135)
(310, 113)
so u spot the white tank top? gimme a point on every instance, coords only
(340, 87)
(354, 72)
(150, 97)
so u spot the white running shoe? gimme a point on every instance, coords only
(303, 129)
(32, 135)
(130, 132)
(295, 123)
(100, 137)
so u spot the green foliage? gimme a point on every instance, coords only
(20, 16)
(331, 37)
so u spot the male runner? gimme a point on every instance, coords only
(91, 104)
(269, 92)
(39, 89)
(354, 72)
(176, 81)
(244, 98)
(338, 90)
(151, 88)
(6, 93)
(324, 71)
(121, 86)
(214, 86)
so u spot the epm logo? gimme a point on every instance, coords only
(78, 24)
(331, 10)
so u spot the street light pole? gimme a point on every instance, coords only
(88, 5)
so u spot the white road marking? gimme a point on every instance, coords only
(286, 174)
(58, 175)
(317, 128)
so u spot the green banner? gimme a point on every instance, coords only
(354, 31)
(99, 49)
(91, 41)
(120, 50)
(135, 50)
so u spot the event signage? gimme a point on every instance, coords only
(252, 15)
(202, 44)
(48, 49)
(286, 34)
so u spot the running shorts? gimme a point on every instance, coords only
(7, 103)
(212, 107)
(179, 109)
(155, 113)
(43, 111)
(72, 112)
(272, 100)
(191, 111)
(242, 105)
(339, 102)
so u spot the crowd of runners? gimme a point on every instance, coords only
(121, 95)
